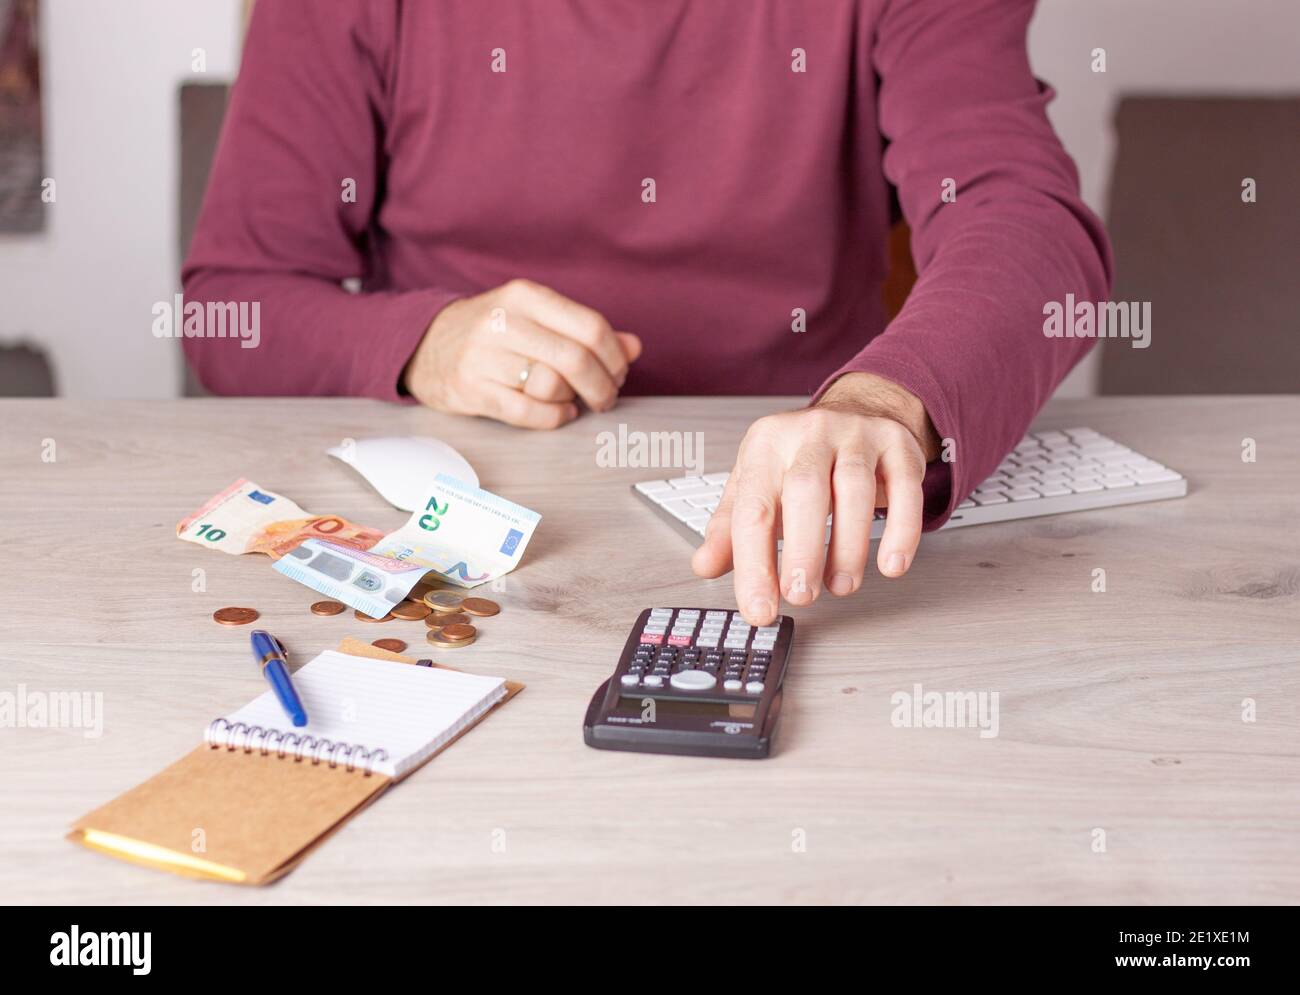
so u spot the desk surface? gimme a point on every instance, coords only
(1119, 711)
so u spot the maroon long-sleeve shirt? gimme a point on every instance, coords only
(772, 131)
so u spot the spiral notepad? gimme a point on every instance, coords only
(382, 717)
(247, 805)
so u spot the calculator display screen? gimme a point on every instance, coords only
(676, 706)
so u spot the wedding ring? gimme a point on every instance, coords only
(523, 375)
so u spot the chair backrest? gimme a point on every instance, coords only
(1218, 270)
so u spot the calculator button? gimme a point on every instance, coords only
(654, 681)
(753, 687)
(630, 680)
(692, 613)
(693, 680)
(679, 640)
(731, 684)
(652, 638)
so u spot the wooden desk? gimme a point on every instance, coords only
(1119, 711)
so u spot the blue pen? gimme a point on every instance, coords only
(270, 657)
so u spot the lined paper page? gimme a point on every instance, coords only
(407, 711)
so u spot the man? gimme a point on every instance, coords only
(550, 202)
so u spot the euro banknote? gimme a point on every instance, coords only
(246, 518)
(460, 534)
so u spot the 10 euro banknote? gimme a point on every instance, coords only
(461, 534)
(246, 518)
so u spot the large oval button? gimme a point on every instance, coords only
(693, 680)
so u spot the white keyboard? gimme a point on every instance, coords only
(1049, 473)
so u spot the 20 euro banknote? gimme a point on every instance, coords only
(246, 518)
(463, 534)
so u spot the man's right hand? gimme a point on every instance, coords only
(522, 354)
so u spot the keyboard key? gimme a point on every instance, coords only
(1112, 483)
(680, 510)
(653, 487)
(1157, 476)
(1085, 485)
(986, 499)
(1054, 490)
(682, 483)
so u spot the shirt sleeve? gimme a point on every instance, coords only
(289, 207)
(959, 106)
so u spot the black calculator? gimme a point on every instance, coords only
(693, 681)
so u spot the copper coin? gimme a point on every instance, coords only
(436, 621)
(462, 630)
(235, 616)
(411, 611)
(436, 637)
(443, 602)
(363, 617)
(392, 645)
(418, 592)
(480, 606)
(328, 608)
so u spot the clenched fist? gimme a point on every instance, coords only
(521, 353)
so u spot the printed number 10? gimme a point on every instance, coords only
(212, 535)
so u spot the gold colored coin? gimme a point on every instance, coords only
(480, 606)
(328, 608)
(235, 616)
(411, 611)
(392, 645)
(363, 617)
(443, 602)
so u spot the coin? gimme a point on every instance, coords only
(392, 645)
(480, 606)
(443, 602)
(235, 616)
(436, 637)
(328, 608)
(411, 611)
(436, 621)
(363, 617)
(462, 630)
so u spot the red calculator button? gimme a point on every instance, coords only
(679, 640)
(653, 639)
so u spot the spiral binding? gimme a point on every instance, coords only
(242, 736)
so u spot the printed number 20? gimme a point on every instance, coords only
(425, 520)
